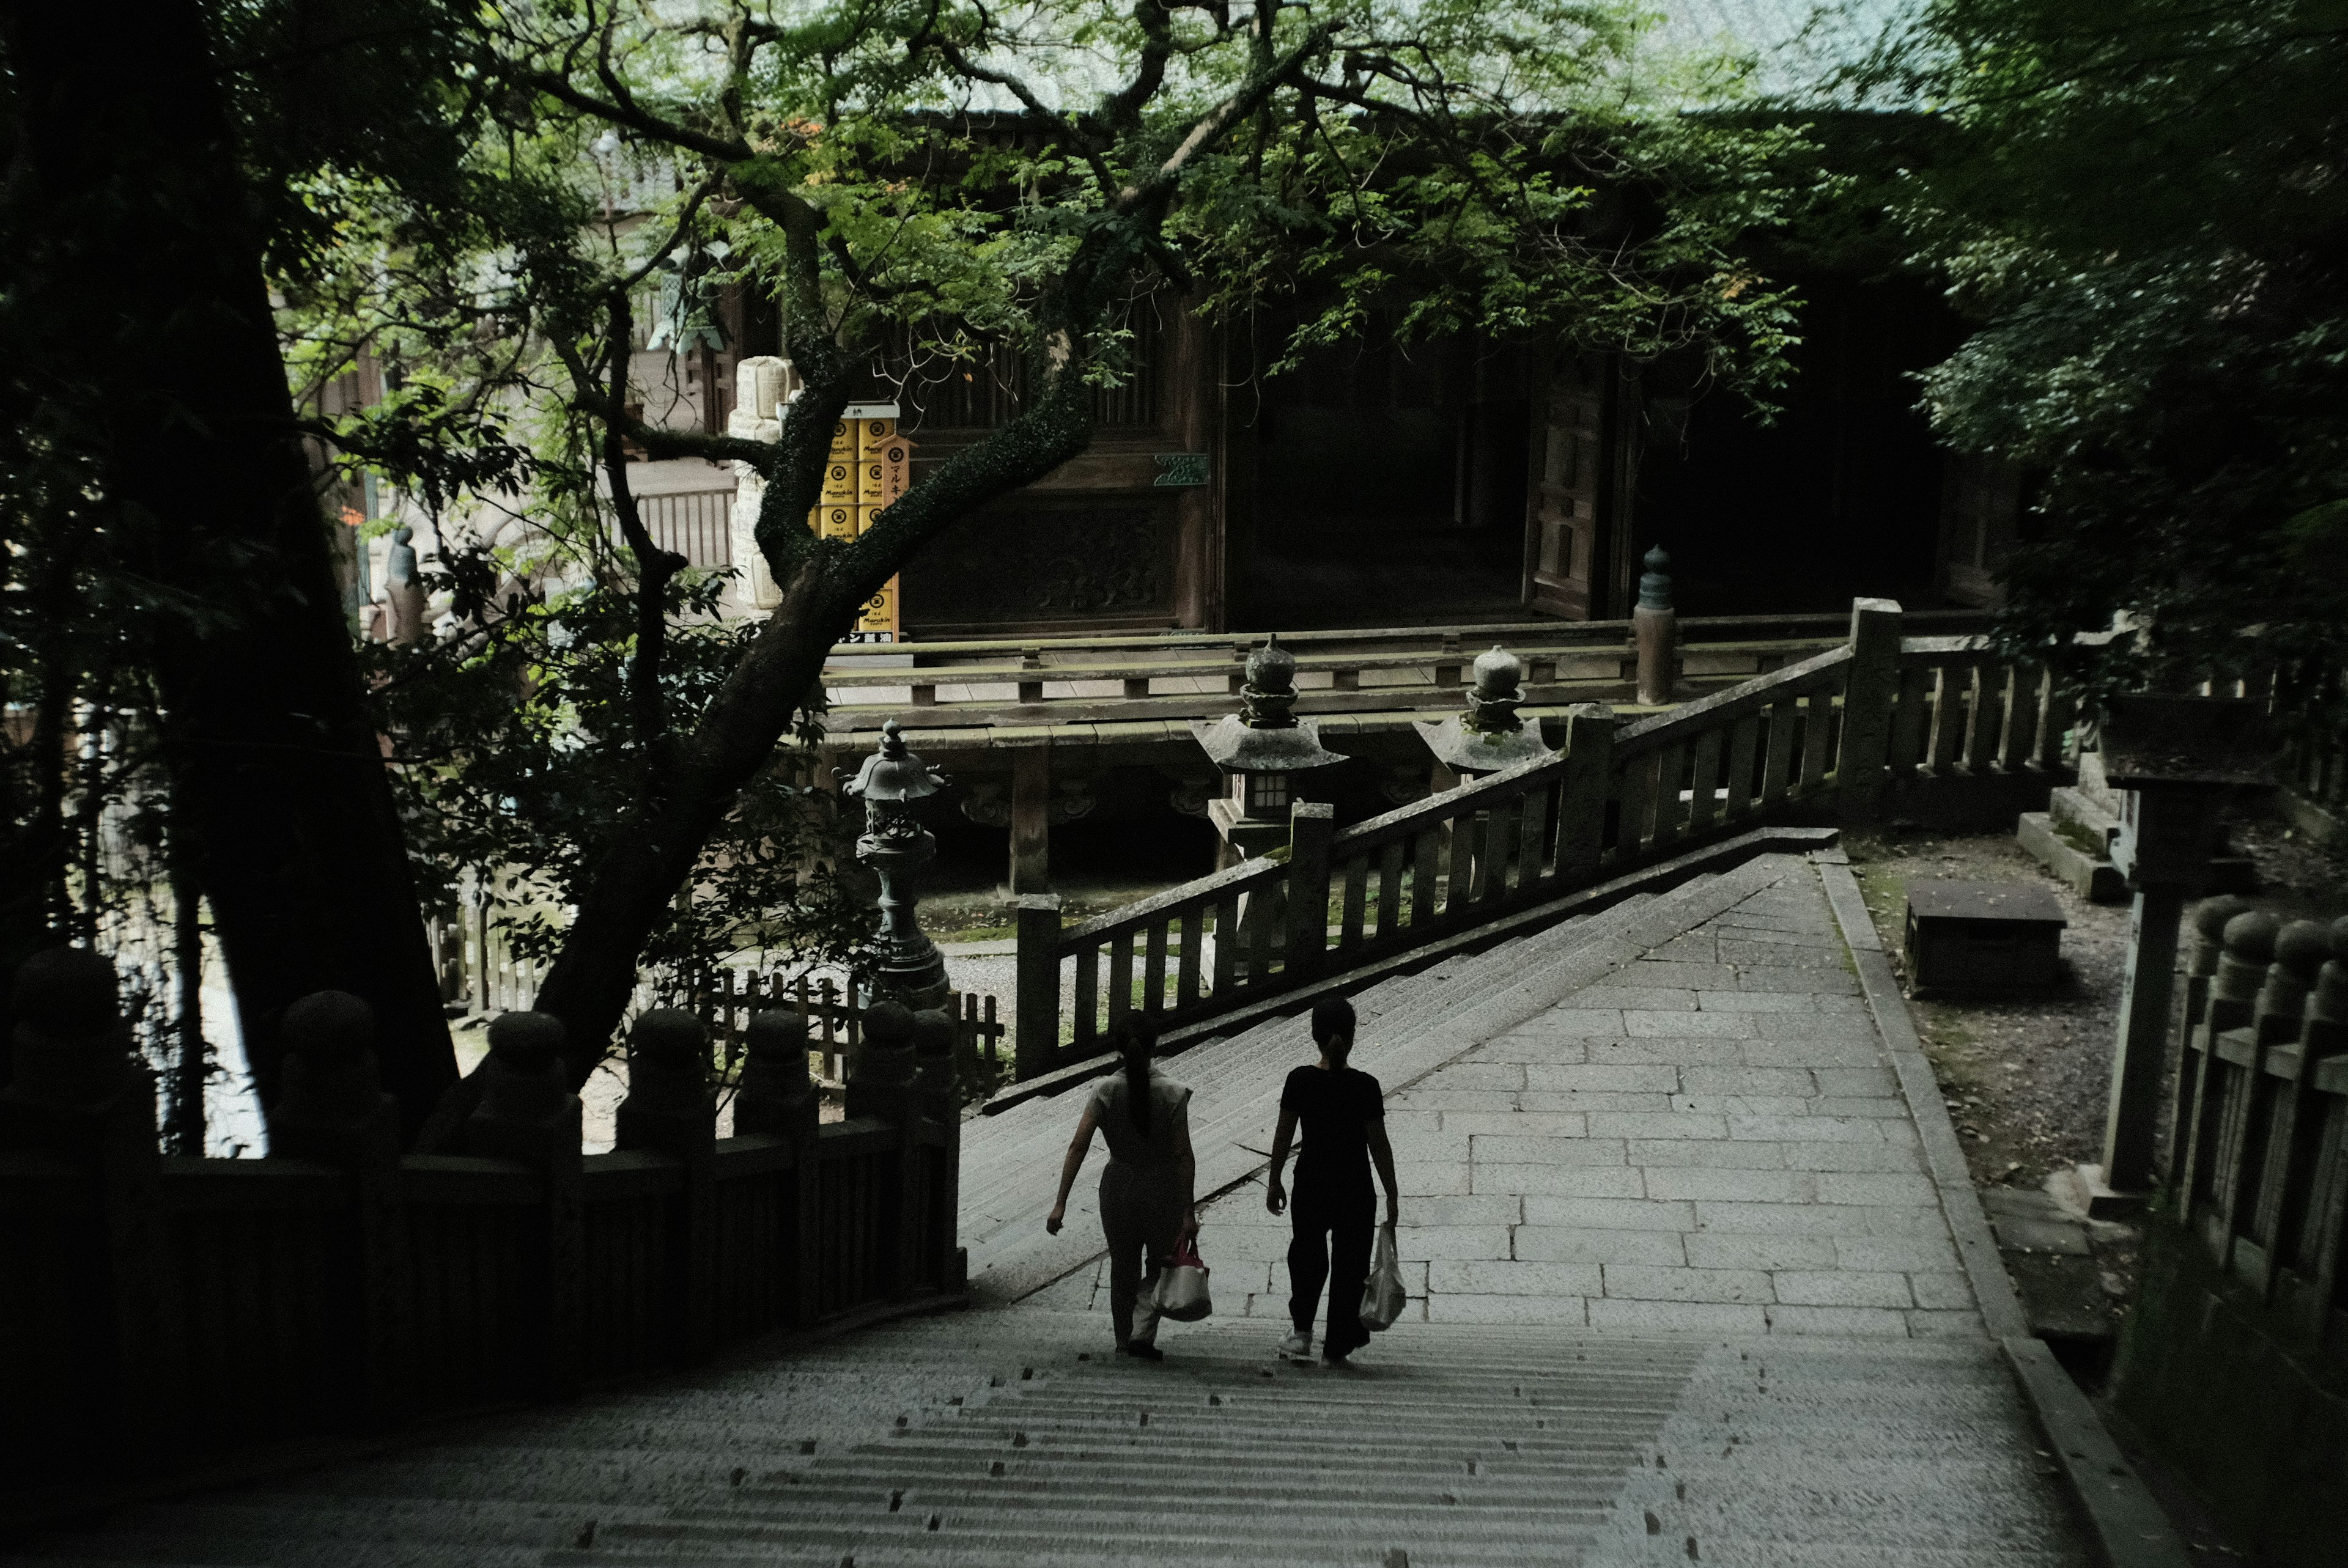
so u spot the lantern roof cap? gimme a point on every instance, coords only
(894, 773)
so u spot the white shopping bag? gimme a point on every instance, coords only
(1382, 1296)
(1182, 1292)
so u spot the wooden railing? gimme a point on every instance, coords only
(1186, 675)
(1823, 736)
(2258, 1168)
(164, 1311)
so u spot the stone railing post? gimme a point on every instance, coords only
(671, 1110)
(880, 1083)
(1869, 693)
(1035, 1020)
(1656, 630)
(776, 1098)
(934, 1082)
(524, 1111)
(1312, 824)
(2250, 943)
(2299, 949)
(2208, 942)
(2288, 1032)
(1583, 792)
(331, 1108)
(79, 1100)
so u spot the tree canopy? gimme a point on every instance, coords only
(2142, 204)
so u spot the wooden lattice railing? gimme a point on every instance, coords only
(1820, 738)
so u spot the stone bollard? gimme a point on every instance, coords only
(331, 1105)
(880, 1079)
(776, 1098)
(81, 1112)
(2209, 921)
(1656, 630)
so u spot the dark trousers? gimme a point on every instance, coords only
(1330, 1242)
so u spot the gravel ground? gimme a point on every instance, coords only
(2027, 1079)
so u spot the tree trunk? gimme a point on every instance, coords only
(133, 168)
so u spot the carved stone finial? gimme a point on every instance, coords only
(880, 1076)
(1498, 693)
(1270, 689)
(71, 1047)
(2300, 949)
(523, 1080)
(933, 1056)
(332, 1106)
(776, 1097)
(2331, 998)
(2209, 929)
(669, 1105)
(2250, 940)
(1655, 583)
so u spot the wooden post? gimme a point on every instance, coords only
(1871, 690)
(1031, 821)
(1037, 1006)
(1311, 825)
(525, 1112)
(1582, 795)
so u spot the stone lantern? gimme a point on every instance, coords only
(1259, 749)
(2176, 758)
(1489, 735)
(891, 781)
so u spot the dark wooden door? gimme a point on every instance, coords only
(1572, 487)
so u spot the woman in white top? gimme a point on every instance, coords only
(1149, 1194)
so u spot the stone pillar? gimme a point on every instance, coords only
(671, 1110)
(1031, 821)
(332, 1109)
(1869, 693)
(2143, 1033)
(525, 1112)
(1655, 631)
(1311, 825)
(79, 1106)
(2250, 943)
(2208, 941)
(935, 1059)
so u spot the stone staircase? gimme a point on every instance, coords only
(1692, 1298)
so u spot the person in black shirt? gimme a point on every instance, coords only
(1343, 1113)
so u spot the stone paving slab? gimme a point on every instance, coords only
(1707, 1140)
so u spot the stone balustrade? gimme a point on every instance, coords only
(170, 1309)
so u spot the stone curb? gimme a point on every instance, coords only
(2129, 1529)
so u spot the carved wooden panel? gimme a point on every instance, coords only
(1108, 560)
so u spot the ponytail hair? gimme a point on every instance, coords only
(1134, 1041)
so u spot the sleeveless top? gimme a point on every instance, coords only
(1169, 1111)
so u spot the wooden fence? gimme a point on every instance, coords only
(164, 1309)
(1184, 676)
(1827, 735)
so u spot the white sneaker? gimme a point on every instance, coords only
(1297, 1347)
